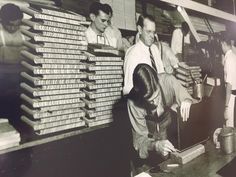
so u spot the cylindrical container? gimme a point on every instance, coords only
(226, 137)
(198, 91)
(234, 139)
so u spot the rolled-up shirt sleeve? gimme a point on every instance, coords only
(129, 67)
(141, 142)
(172, 58)
(173, 90)
(181, 93)
(230, 72)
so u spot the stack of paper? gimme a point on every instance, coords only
(9, 136)
(188, 76)
(103, 87)
(52, 80)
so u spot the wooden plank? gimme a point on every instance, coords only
(203, 9)
(54, 138)
(187, 19)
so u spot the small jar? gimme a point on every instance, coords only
(198, 91)
(227, 138)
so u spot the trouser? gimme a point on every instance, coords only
(230, 121)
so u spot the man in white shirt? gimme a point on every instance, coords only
(229, 63)
(142, 52)
(11, 45)
(100, 31)
(180, 37)
(169, 60)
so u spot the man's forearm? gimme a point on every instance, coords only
(228, 93)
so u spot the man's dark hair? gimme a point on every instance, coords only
(96, 6)
(185, 27)
(144, 16)
(107, 6)
(10, 12)
(58, 3)
(225, 37)
(145, 83)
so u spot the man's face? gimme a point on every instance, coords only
(147, 32)
(12, 26)
(101, 21)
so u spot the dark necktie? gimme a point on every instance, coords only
(183, 47)
(235, 112)
(152, 60)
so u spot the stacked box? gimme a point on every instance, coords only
(188, 76)
(103, 87)
(51, 86)
(9, 136)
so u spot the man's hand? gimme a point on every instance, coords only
(164, 147)
(185, 109)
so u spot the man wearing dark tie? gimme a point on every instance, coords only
(142, 52)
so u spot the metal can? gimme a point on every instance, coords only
(226, 138)
(234, 139)
(198, 91)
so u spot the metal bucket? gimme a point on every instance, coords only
(198, 91)
(234, 139)
(226, 137)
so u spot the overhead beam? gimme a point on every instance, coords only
(187, 19)
(16, 2)
(202, 8)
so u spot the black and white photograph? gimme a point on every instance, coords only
(117, 88)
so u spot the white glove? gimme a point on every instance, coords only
(185, 109)
(164, 147)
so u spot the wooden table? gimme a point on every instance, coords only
(206, 165)
(88, 152)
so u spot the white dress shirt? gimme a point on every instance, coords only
(230, 68)
(109, 37)
(11, 45)
(114, 36)
(229, 63)
(136, 54)
(176, 41)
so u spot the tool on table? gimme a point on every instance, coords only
(188, 155)
(172, 165)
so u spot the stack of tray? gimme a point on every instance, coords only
(188, 75)
(9, 136)
(103, 87)
(53, 70)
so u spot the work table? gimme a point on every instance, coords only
(206, 165)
